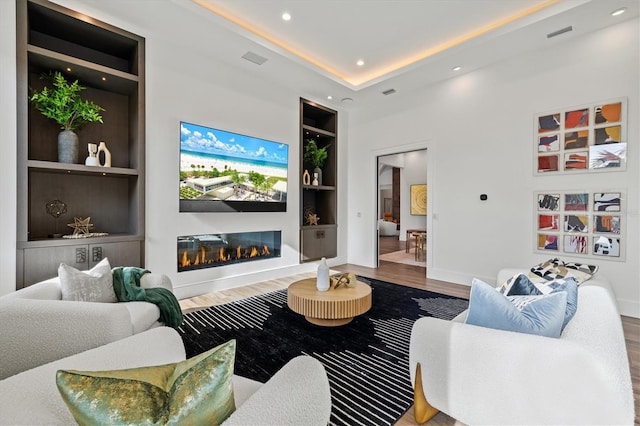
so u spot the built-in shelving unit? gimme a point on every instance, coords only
(109, 62)
(319, 123)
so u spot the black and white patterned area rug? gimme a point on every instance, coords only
(367, 360)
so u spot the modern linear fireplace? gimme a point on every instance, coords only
(213, 250)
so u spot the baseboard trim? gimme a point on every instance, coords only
(626, 307)
(456, 277)
(629, 308)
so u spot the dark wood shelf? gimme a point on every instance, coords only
(56, 242)
(88, 73)
(319, 187)
(318, 131)
(79, 168)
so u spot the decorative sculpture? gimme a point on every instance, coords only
(80, 225)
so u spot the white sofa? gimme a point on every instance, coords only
(37, 326)
(387, 229)
(297, 395)
(485, 376)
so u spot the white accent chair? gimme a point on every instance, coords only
(481, 375)
(298, 394)
(37, 326)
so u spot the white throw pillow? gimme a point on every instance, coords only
(95, 285)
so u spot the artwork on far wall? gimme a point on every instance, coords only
(582, 139)
(419, 200)
(580, 223)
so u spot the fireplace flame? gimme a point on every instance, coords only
(200, 258)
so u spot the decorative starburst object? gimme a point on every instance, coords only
(313, 219)
(80, 225)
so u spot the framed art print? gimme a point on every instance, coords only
(581, 139)
(419, 200)
(580, 223)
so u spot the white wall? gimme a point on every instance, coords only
(8, 172)
(480, 130)
(414, 172)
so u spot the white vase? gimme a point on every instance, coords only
(322, 279)
(318, 171)
(107, 155)
(92, 160)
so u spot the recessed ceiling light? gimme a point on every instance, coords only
(68, 69)
(619, 11)
(286, 16)
(329, 97)
(360, 62)
(456, 68)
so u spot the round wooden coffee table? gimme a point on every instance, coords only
(328, 308)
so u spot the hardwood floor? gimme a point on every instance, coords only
(412, 276)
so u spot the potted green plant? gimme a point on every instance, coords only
(315, 156)
(62, 103)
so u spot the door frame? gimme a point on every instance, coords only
(429, 146)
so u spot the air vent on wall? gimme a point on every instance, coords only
(561, 31)
(389, 92)
(255, 58)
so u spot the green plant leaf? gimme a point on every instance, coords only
(63, 103)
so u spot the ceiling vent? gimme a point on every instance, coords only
(255, 58)
(389, 92)
(561, 31)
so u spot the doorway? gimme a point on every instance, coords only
(397, 174)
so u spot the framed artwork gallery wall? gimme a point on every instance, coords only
(581, 139)
(581, 223)
(589, 138)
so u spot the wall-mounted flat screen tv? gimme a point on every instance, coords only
(222, 171)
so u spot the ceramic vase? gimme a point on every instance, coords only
(92, 160)
(315, 180)
(318, 171)
(67, 147)
(102, 148)
(322, 278)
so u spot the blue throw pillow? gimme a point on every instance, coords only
(521, 285)
(543, 316)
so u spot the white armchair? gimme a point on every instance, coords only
(481, 375)
(37, 326)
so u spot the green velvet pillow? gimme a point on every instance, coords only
(196, 391)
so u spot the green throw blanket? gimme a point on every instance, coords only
(126, 284)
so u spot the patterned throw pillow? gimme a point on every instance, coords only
(197, 391)
(95, 285)
(556, 268)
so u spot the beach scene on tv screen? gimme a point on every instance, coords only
(220, 165)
